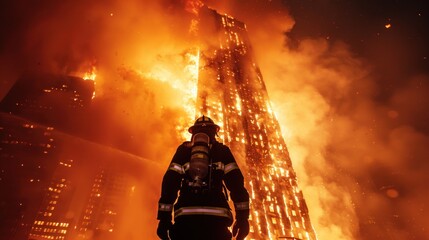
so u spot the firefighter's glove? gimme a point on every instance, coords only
(240, 229)
(164, 226)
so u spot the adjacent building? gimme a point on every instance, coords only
(27, 151)
(109, 192)
(54, 184)
(34, 181)
(53, 220)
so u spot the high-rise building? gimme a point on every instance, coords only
(34, 181)
(52, 220)
(231, 90)
(51, 100)
(27, 151)
(109, 192)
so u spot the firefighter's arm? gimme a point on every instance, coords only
(234, 181)
(170, 186)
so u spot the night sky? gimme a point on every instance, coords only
(349, 81)
(391, 35)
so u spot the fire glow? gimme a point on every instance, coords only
(312, 88)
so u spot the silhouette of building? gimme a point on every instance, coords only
(231, 90)
(52, 220)
(52, 100)
(26, 152)
(110, 190)
(34, 182)
(55, 185)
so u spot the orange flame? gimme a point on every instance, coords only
(185, 82)
(91, 75)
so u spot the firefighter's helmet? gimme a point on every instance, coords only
(203, 123)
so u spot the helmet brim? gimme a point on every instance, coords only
(202, 126)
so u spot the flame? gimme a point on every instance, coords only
(191, 89)
(185, 82)
(193, 67)
(91, 75)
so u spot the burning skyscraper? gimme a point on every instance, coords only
(231, 90)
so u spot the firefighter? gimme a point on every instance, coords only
(200, 170)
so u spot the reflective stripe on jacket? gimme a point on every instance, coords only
(203, 210)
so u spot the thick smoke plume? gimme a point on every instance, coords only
(360, 160)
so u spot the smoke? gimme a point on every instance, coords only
(305, 95)
(358, 151)
(63, 37)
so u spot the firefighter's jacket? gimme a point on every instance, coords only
(212, 202)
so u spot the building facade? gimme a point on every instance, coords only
(105, 204)
(27, 151)
(53, 220)
(34, 175)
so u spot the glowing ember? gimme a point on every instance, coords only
(392, 193)
(388, 25)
